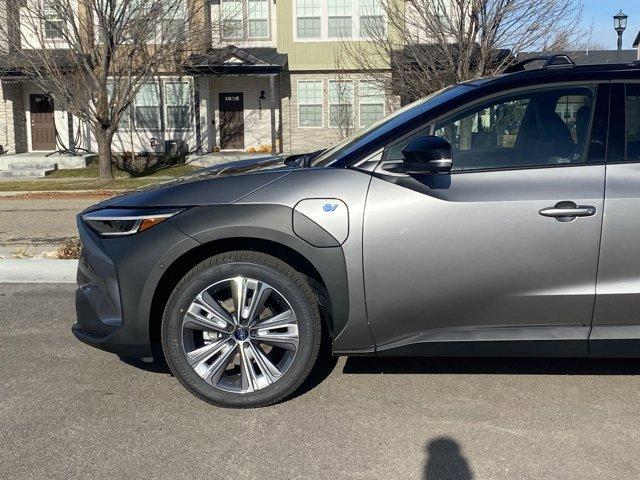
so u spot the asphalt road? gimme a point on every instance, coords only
(38, 224)
(69, 411)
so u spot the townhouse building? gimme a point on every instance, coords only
(272, 77)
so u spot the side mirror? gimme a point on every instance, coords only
(428, 154)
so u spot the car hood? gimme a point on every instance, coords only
(222, 184)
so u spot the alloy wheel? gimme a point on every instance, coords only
(240, 335)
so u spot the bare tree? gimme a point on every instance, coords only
(342, 95)
(435, 43)
(94, 55)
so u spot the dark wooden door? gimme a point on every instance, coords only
(43, 127)
(231, 121)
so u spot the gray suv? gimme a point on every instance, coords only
(495, 217)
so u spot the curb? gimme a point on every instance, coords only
(38, 270)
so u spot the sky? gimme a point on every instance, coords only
(601, 13)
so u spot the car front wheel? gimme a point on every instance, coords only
(242, 329)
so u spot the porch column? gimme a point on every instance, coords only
(272, 98)
(196, 101)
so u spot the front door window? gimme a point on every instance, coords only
(524, 130)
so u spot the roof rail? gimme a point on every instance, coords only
(550, 61)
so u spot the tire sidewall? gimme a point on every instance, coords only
(216, 270)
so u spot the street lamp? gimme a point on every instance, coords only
(620, 24)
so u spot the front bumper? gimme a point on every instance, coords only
(117, 279)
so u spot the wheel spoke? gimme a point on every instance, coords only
(249, 380)
(241, 287)
(277, 321)
(283, 334)
(239, 293)
(202, 315)
(200, 356)
(219, 366)
(216, 309)
(261, 293)
(268, 369)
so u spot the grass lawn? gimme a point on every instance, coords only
(86, 179)
(75, 184)
(91, 171)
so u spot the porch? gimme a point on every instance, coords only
(239, 99)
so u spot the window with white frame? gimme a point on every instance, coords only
(177, 104)
(125, 120)
(336, 19)
(52, 21)
(371, 15)
(310, 100)
(308, 18)
(340, 103)
(258, 19)
(245, 19)
(372, 103)
(146, 107)
(174, 21)
(340, 19)
(232, 15)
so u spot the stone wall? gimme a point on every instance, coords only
(13, 122)
(296, 139)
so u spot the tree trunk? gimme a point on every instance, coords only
(104, 154)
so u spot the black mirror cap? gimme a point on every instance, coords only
(426, 149)
(429, 154)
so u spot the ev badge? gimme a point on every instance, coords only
(328, 207)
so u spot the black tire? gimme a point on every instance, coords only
(288, 282)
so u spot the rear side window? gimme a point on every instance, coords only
(632, 109)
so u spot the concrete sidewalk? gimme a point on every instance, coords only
(38, 271)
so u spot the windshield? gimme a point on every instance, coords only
(387, 123)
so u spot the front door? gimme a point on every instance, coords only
(231, 121)
(486, 259)
(43, 128)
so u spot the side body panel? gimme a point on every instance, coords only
(462, 257)
(616, 321)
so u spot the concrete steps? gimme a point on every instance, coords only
(37, 165)
(22, 169)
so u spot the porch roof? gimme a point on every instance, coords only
(231, 60)
(24, 62)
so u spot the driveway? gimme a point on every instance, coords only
(69, 411)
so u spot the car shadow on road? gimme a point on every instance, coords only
(445, 461)
(158, 365)
(493, 365)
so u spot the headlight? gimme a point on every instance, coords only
(113, 222)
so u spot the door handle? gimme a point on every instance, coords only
(567, 211)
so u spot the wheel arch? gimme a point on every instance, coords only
(319, 272)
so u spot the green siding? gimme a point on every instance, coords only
(308, 55)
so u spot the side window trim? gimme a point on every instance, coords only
(616, 145)
(599, 129)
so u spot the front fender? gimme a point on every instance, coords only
(272, 223)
